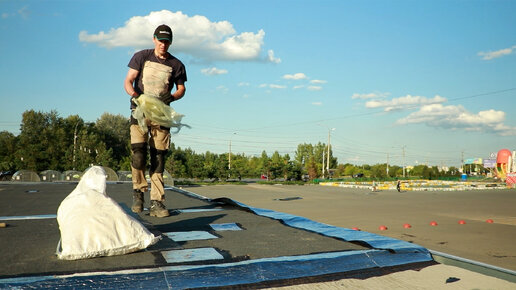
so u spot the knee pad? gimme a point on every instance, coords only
(139, 157)
(158, 160)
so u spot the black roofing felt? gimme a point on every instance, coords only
(270, 247)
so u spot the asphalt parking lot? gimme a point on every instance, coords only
(475, 239)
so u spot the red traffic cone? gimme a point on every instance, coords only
(489, 221)
(355, 229)
(462, 222)
(433, 223)
(407, 226)
(382, 228)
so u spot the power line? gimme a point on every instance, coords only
(380, 111)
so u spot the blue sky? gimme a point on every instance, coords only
(435, 79)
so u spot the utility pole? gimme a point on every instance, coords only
(328, 157)
(323, 164)
(387, 165)
(462, 161)
(229, 156)
(328, 154)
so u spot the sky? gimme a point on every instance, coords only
(403, 82)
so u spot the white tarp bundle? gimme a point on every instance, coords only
(93, 224)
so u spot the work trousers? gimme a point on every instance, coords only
(158, 140)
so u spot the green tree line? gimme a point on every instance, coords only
(48, 141)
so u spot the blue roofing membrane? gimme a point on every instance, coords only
(374, 240)
(385, 252)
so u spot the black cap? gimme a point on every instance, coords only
(163, 32)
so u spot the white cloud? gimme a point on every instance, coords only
(375, 95)
(24, 12)
(318, 82)
(272, 86)
(297, 76)
(272, 58)
(213, 71)
(317, 103)
(457, 117)
(406, 102)
(496, 54)
(314, 88)
(298, 87)
(243, 84)
(222, 89)
(194, 35)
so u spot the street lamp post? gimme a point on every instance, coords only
(322, 164)
(328, 155)
(403, 148)
(229, 156)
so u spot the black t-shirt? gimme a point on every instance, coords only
(156, 77)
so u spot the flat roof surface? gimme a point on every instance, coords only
(207, 243)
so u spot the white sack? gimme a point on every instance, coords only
(92, 224)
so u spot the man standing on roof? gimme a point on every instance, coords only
(153, 72)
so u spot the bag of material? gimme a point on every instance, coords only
(155, 110)
(93, 224)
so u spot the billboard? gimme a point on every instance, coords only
(473, 161)
(489, 163)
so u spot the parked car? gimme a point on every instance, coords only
(358, 175)
(6, 175)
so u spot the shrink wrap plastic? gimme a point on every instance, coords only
(153, 109)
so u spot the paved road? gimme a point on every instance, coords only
(491, 243)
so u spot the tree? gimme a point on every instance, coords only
(221, 167)
(7, 151)
(378, 170)
(48, 141)
(176, 162)
(394, 169)
(113, 130)
(210, 161)
(265, 165)
(90, 150)
(453, 171)
(350, 170)
(240, 167)
(42, 142)
(255, 167)
(293, 170)
(303, 153)
(275, 166)
(56, 142)
(311, 168)
(195, 164)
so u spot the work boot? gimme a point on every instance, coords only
(158, 209)
(137, 201)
